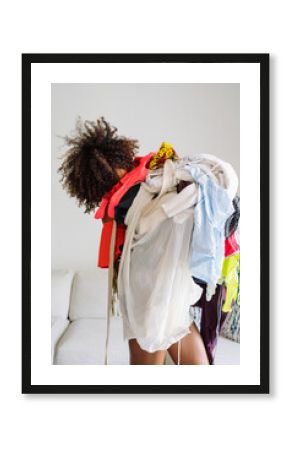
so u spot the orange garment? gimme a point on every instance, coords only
(110, 200)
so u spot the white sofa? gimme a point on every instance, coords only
(78, 323)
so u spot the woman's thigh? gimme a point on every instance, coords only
(140, 356)
(192, 350)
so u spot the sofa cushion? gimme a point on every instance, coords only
(89, 295)
(61, 283)
(84, 343)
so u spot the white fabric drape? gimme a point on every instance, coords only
(155, 287)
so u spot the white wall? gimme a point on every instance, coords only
(194, 118)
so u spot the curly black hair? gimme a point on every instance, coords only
(89, 166)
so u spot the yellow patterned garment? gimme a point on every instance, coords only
(230, 276)
(166, 151)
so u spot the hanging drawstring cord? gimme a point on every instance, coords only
(110, 286)
(178, 351)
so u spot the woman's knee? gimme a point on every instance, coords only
(138, 356)
(192, 349)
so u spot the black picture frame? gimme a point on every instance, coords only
(263, 60)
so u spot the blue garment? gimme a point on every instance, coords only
(213, 208)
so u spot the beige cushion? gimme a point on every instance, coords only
(89, 295)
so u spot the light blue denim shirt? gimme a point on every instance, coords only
(214, 206)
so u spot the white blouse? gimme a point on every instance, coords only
(155, 286)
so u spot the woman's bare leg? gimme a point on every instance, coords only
(140, 356)
(192, 350)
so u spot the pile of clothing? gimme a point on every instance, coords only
(179, 254)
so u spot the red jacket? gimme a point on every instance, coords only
(110, 200)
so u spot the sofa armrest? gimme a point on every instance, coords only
(58, 328)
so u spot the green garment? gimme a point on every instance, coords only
(230, 276)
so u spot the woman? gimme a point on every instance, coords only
(101, 169)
